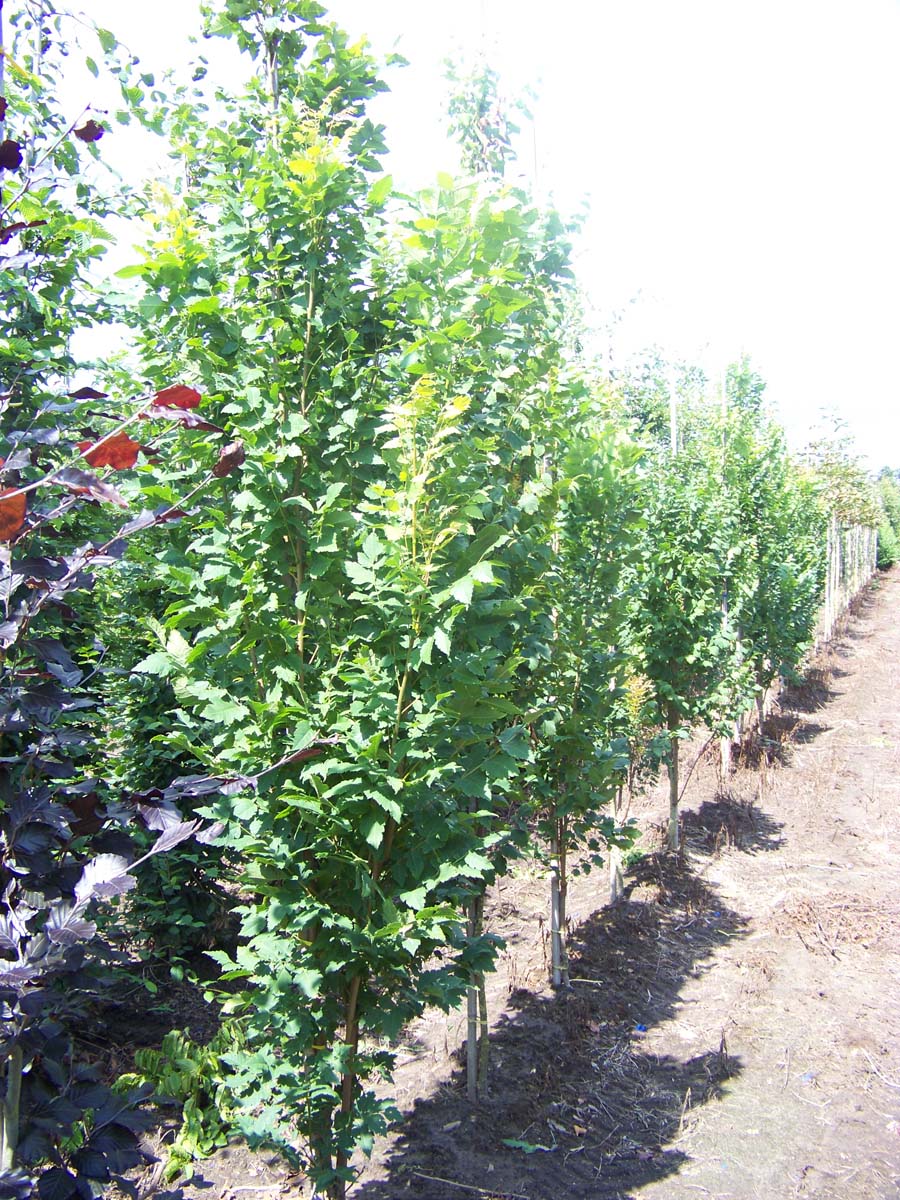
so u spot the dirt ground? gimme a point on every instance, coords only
(733, 1026)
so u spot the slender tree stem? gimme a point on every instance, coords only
(348, 1079)
(472, 1016)
(9, 1111)
(674, 838)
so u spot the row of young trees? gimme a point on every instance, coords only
(419, 591)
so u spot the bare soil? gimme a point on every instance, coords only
(733, 1026)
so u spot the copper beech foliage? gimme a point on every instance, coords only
(117, 451)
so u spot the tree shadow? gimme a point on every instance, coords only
(729, 823)
(580, 1105)
(782, 731)
(810, 694)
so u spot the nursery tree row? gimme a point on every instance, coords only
(405, 589)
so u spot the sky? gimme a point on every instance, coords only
(737, 158)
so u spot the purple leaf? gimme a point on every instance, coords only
(15, 1185)
(143, 520)
(194, 785)
(17, 460)
(57, 1184)
(312, 751)
(84, 481)
(205, 836)
(88, 393)
(65, 926)
(172, 836)
(10, 154)
(160, 816)
(12, 931)
(41, 568)
(11, 975)
(240, 783)
(158, 516)
(9, 631)
(103, 877)
(158, 412)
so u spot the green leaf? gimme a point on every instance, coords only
(158, 663)
(309, 982)
(415, 898)
(462, 590)
(515, 742)
(224, 710)
(372, 828)
(107, 40)
(380, 190)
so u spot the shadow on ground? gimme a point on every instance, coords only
(729, 823)
(591, 1111)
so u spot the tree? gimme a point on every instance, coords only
(360, 611)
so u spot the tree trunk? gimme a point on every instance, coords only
(477, 1041)
(555, 933)
(484, 1043)
(674, 838)
(616, 882)
(616, 879)
(725, 757)
(563, 903)
(9, 1109)
(338, 1189)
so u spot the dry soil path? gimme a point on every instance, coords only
(734, 1028)
(809, 1000)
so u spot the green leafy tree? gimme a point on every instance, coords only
(578, 767)
(359, 612)
(480, 118)
(683, 622)
(889, 520)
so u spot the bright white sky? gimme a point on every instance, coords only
(739, 158)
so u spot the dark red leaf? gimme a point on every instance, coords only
(177, 396)
(85, 810)
(7, 231)
(118, 451)
(90, 131)
(12, 513)
(230, 458)
(3, 106)
(312, 751)
(188, 419)
(88, 393)
(83, 482)
(10, 155)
